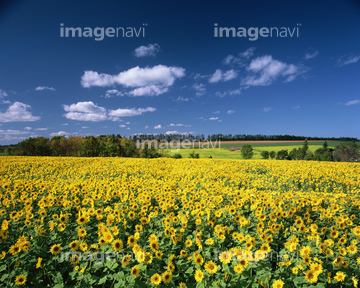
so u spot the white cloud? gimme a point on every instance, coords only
(230, 112)
(88, 111)
(127, 123)
(235, 92)
(151, 90)
(146, 127)
(147, 51)
(264, 70)
(296, 107)
(200, 89)
(146, 81)
(178, 125)
(347, 59)
(11, 135)
(112, 93)
(84, 127)
(219, 94)
(158, 127)
(122, 126)
(181, 99)
(129, 112)
(223, 76)
(41, 88)
(177, 132)
(311, 55)
(60, 133)
(28, 128)
(353, 102)
(220, 121)
(267, 109)
(240, 59)
(213, 118)
(18, 112)
(3, 93)
(216, 112)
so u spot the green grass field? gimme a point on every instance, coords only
(224, 153)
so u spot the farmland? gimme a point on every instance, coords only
(223, 151)
(124, 222)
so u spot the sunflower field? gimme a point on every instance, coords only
(125, 222)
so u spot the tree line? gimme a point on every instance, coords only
(344, 152)
(236, 137)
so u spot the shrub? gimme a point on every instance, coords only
(177, 156)
(265, 154)
(272, 154)
(282, 155)
(247, 151)
(194, 155)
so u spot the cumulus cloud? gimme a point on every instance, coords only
(223, 76)
(158, 127)
(230, 112)
(112, 93)
(129, 112)
(264, 70)
(18, 112)
(88, 111)
(28, 128)
(11, 135)
(144, 81)
(41, 88)
(352, 102)
(213, 118)
(60, 133)
(347, 59)
(150, 50)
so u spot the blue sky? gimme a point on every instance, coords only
(175, 76)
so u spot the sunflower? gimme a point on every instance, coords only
(117, 245)
(38, 263)
(311, 276)
(238, 269)
(126, 260)
(340, 276)
(20, 280)
(188, 243)
(55, 249)
(158, 254)
(225, 257)
(74, 245)
(131, 241)
(199, 275)
(278, 284)
(14, 249)
(135, 271)
(155, 279)
(211, 267)
(167, 276)
(199, 260)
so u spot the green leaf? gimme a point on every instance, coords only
(103, 280)
(190, 270)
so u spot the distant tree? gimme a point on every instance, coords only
(309, 156)
(177, 156)
(194, 155)
(247, 151)
(348, 152)
(10, 151)
(272, 154)
(265, 154)
(282, 155)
